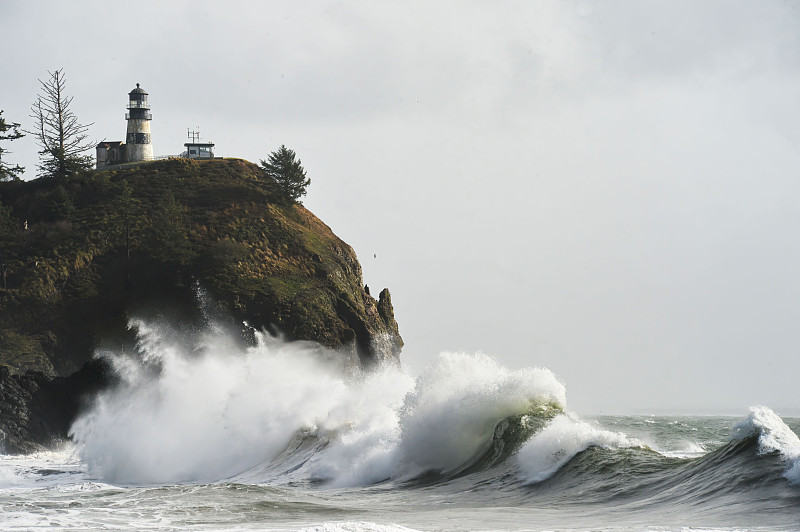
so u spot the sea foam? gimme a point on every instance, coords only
(357, 526)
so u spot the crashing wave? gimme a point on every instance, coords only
(451, 416)
(203, 408)
(448, 421)
(773, 436)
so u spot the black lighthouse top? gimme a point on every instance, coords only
(137, 90)
(137, 104)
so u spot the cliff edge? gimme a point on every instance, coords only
(79, 258)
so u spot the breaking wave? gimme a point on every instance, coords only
(211, 428)
(773, 436)
(205, 409)
(566, 436)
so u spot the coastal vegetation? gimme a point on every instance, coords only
(81, 255)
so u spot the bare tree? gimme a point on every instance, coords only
(61, 137)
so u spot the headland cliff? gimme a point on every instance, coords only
(179, 240)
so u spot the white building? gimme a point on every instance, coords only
(137, 145)
(196, 149)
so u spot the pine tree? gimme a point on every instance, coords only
(9, 131)
(61, 137)
(288, 174)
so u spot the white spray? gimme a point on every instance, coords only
(207, 410)
(773, 436)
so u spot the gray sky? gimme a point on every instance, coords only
(606, 189)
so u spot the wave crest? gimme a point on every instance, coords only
(561, 440)
(450, 417)
(446, 423)
(773, 436)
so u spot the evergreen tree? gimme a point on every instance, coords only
(61, 137)
(288, 174)
(59, 204)
(9, 132)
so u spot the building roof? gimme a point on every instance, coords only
(138, 90)
(209, 144)
(110, 143)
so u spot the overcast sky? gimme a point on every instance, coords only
(607, 189)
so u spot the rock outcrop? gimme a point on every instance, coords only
(36, 410)
(79, 258)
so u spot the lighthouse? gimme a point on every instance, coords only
(138, 146)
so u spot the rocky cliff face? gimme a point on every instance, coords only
(80, 258)
(37, 411)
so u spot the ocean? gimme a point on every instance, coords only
(201, 433)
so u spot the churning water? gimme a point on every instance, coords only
(201, 434)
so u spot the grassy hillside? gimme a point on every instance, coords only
(78, 258)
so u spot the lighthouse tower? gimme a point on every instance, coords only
(138, 146)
